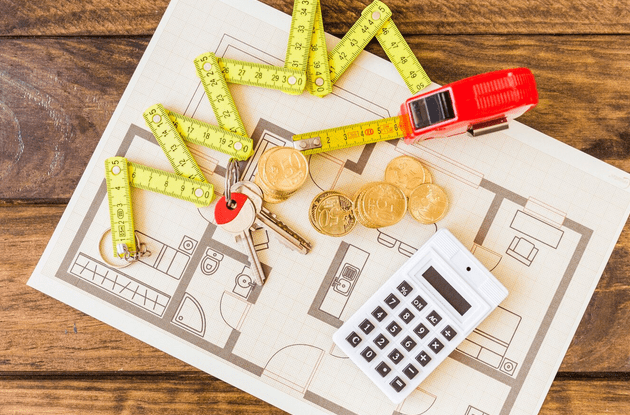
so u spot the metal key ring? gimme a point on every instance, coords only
(231, 176)
(129, 259)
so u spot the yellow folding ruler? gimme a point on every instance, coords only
(300, 34)
(170, 184)
(372, 19)
(211, 136)
(121, 174)
(171, 142)
(318, 81)
(209, 71)
(120, 211)
(348, 136)
(403, 58)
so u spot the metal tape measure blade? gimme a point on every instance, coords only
(348, 136)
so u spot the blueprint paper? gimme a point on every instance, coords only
(542, 216)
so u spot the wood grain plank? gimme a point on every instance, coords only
(73, 85)
(199, 393)
(56, 98)
(41, 334)
(116, 17)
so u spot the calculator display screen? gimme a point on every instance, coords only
(446, 290)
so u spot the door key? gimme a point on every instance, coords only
(283, 233)
(237, 219)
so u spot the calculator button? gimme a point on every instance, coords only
(449, 333)
(434, 318)
(398, 384)
(354, 339)
(423, 358)
(405, 288)
(383, 369)
(421, 331)
(406, 315)
(368, 354)
(408, 343)
(394, 328)
(436, 345)
(366, 326)
(410, 371)
(419, 303)
(395, 356)
(379, 314)
(381, 341)
(392, 301)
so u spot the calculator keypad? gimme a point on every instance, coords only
(406, 332)
(406, 329)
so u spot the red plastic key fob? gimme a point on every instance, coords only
(223, 214)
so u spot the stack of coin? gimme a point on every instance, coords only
(428, 202)
(281, 172)
(331, 214)
(379, 204)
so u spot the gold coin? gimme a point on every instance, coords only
(428, 203)
(284, 170)
(428, 178)
(331, 214)
(380, 204)
(268, 195)
(405, 172)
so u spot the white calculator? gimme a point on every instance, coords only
(418, 317)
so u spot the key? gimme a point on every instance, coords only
(287, 236)
(238, 221)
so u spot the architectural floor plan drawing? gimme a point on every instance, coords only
(541, 216)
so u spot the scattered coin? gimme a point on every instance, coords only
(331, 214)
(406, 172)
(428, 203)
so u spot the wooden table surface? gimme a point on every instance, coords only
(63, 67)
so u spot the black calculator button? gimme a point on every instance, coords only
(383, 369)
(397, 384)
(434, 318)
(419, 303)
(406, 315)
(368, 354)
(405, 288)
(379, 314)
(421, 331)
(392, 301)
(395, 356)
(423, 358)
(354, 339)
(410, 371)
(449, 333)
(366, 326)
(436, 345)
(381, 341)
(394, 328)
(408, 343)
